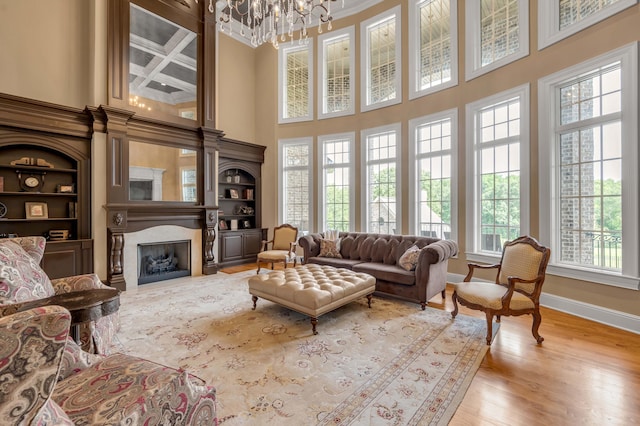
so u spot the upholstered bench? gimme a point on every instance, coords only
(312, 289)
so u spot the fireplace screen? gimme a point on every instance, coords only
(164, 261)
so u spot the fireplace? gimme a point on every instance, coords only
(163, 261)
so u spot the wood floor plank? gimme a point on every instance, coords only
(584, 373)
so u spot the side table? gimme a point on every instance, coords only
(84, 306)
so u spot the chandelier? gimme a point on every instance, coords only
(270, 20)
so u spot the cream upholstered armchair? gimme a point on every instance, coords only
(283, 247)
(519, 278)
(23, 280)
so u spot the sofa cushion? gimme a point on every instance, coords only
(332, 261)
(21, 278)
(391, 273)
(122, 389)
(409, 258)
(330, 248)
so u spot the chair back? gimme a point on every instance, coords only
(33, 344)
(283, 236)
(524, 258)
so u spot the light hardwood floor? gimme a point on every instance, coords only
(584, 373)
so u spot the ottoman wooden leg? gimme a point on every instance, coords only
(369, 297)
(255, 299)
(314, 322)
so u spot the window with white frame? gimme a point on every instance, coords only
(295, 193)
(336, 65)
(497, 34)
(381, 163)
(381, 60)
(499, 126)
(295, 82)
(433, 193)
(589, 169)
(188, 182)
(336, 209)
(433, 46)
(558, 19)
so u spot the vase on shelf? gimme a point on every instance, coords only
(236, 178)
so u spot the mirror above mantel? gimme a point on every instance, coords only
(163, 65)
(162, 173)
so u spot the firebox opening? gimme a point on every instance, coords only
(164, 261)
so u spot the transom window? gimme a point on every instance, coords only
(336, 182)
(382, 207)
(500, 195)
(433, 46)
(381, 60)
(558, 19)
(295, 81)
(497, 34)
(336, 73)
(295, 195)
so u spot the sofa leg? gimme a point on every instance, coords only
(423, 305)
(444, 294)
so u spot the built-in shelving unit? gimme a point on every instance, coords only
(45, 157)
(239, 219)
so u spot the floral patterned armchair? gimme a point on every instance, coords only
(48, 379)
(22, 280)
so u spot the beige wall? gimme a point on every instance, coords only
(235, 85)
(56, 51)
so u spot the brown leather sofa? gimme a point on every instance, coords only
(379, 255)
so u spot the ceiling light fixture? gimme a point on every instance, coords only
(270, 20)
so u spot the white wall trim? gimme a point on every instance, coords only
(606, 316)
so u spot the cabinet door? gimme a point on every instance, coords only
(230, 246)
(252, 242)
(68, 258)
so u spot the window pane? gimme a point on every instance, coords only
(381, 181)
(337, 196)
(572, 11)
(382, 61)
(297, 84)
(296, 176)
(590, 173)
(499, 30)
(337, 69)
(433, 192)
(499, 173)
(435, 44)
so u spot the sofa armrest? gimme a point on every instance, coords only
(310, 245)
(440, 250)
(77, 283)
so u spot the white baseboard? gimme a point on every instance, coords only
(588, 311)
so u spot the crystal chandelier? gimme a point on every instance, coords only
(270, 20)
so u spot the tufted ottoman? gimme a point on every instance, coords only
(312, 289)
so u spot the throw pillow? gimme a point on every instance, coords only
(329, 248)
(21, 278)
(409, 258)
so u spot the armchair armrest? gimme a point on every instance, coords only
(77, 283)
(264, 244)
(473, 266)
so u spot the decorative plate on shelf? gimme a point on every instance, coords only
(3, 210)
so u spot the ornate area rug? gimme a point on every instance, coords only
(393, 364)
